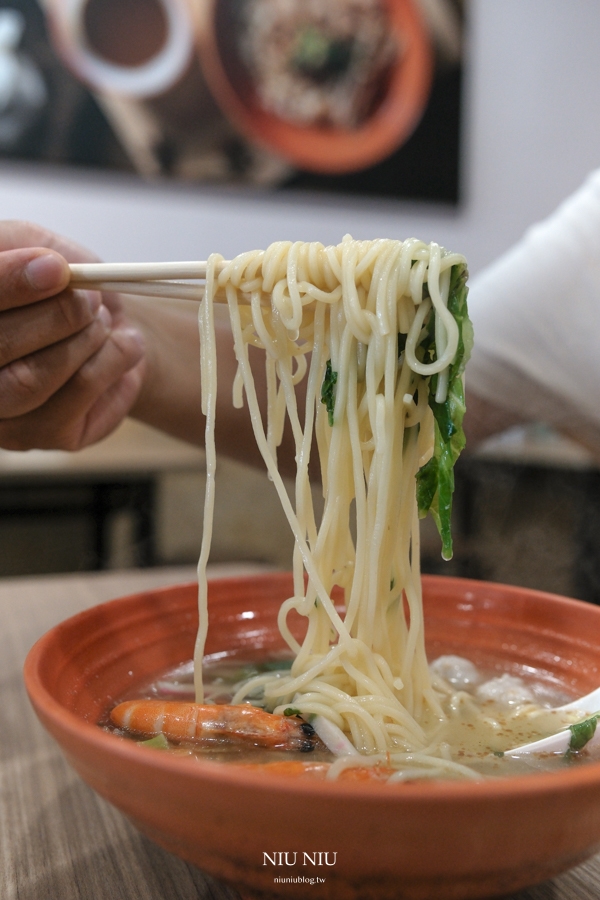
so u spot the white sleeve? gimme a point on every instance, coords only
(536, 318)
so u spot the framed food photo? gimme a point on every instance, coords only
(348, 96)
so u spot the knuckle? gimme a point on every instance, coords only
(97, 334)
(20, 380)
(73, 311)
(105, 363)
(67, 438)
(7, 349)
(128, 346)
(86, 377)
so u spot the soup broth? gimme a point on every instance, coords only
(486, 714)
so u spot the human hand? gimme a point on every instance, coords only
(71, 363)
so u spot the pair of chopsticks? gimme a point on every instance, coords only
(166, 279)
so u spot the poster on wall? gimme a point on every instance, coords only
(359, 97)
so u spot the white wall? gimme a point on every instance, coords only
(532, 133)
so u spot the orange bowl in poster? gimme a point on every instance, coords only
(322, 148)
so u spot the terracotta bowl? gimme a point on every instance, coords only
(320, 148)
(429, 840)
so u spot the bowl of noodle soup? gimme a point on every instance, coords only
(423, 838)
(330, 88)
(376, 709)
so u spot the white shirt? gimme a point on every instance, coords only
(536, 317)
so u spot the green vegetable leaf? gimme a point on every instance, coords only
(442, 412)
(582, 732)
(427, 484)
(327, 390)
(435, 480)
(158, 742)
(292, 711)
(319, 57)
(275, 665)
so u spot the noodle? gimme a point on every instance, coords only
(367, 326)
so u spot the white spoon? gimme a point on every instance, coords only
(574, 737)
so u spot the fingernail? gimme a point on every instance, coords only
(45, 272)
(105, 317)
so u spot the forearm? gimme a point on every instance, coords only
(484, 419)
(170, 398)
(534, 313)
(170, 395)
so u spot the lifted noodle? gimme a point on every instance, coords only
(350, 320)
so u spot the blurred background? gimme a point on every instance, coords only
(346, 97)
(169, 129)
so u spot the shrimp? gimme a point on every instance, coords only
(196, 723)
(294, 768)
(298, 769)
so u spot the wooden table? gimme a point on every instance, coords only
(58, 840)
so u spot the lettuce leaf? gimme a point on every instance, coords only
(582, 732)
(328, 390)
(435, 480)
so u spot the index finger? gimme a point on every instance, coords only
(16, 233)
(31, 274)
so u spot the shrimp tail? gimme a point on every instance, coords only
(196, 723)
